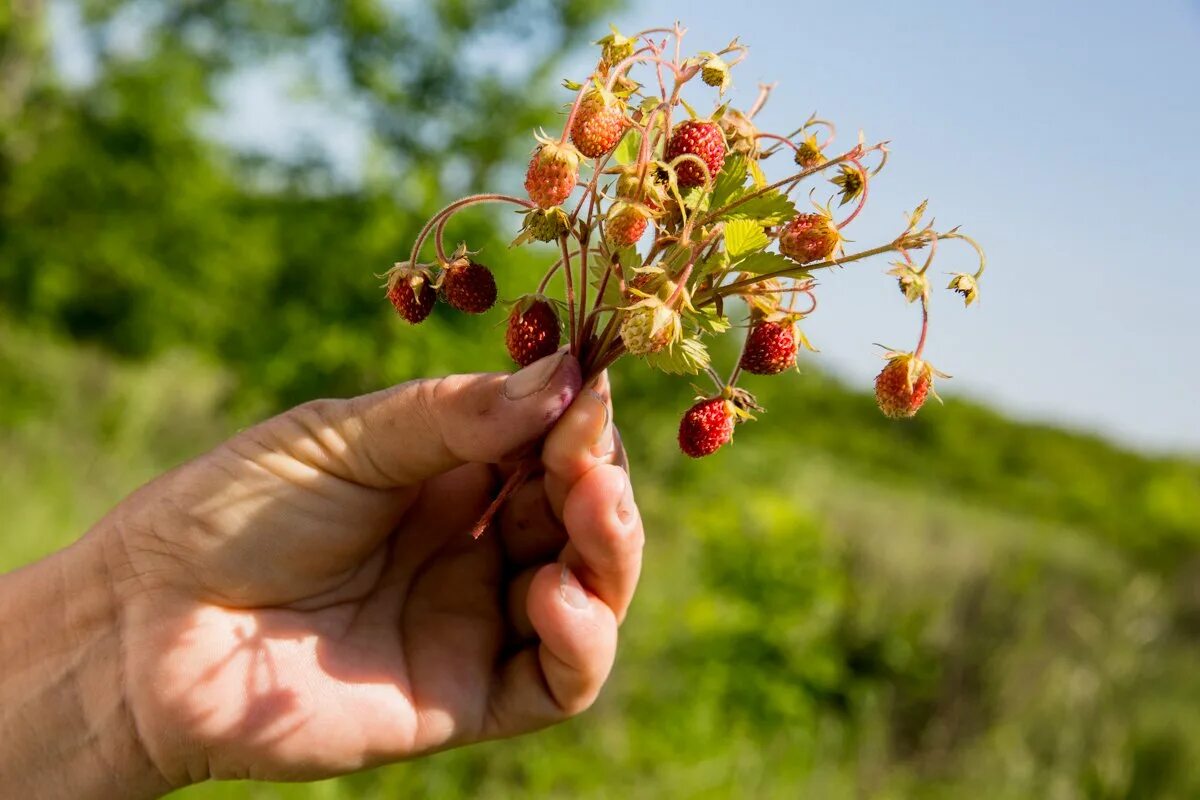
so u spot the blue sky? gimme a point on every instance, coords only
(1063, 135)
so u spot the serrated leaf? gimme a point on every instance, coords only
(714, 262)
(743, 237)
(695, 198)
(707, 320)
(627, 149)
(771, 208)
(760, 180)
(685, 356)
(762, 263)
(729, 181)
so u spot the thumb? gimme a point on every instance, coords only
(411, 432)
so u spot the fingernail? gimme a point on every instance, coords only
(572, 593)
(533, 378)
(603, 444)
(625, 506)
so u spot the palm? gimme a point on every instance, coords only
(319, 625)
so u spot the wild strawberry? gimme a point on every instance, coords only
(770, 348)
(410, 291)
(808, 153)
(903, 385)
(599, 123)
(701, 138)
(543, 225)
(649, 326)
(468, 286)
(706, 427)
(626, 224)
(808, 238)
(533, 330)
(552, 173)
(615, 48)
(715, 73)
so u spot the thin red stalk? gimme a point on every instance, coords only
(862, 200)
(566, 258)
(456, 206)
(924, 328)
(519, 476)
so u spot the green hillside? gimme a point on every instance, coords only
(884, 615)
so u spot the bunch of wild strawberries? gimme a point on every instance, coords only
(660, 221)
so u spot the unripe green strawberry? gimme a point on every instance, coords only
(701, 138)
(468, 286)
(715, 73)
(706, 427)
(599, 123)
(543, 225)
(552, 173)
(808, 238)
(615, 48)
(533, 330)
(770, 348)
(648, 326)
(411, 293)
(626, 224)
(808, 153)
(903, 385)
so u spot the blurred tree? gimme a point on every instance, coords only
(121, 223)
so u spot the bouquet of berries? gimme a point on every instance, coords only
(661, 217)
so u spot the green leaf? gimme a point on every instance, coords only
(714, 262)
(707, 320)
(771, 208)
(627, 150)
(762, 263)
(743, 237)
(729, 181)
(760, 180)
(682, 357)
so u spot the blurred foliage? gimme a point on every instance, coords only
(835, 606)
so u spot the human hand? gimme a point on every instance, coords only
(305, 600)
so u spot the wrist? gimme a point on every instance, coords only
(66, 729)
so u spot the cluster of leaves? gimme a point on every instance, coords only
(124, 225)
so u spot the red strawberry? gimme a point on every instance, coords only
(903, 385)
(770, 348)
(410, 292)
(468, 286)
(706, 427)
(533, 330)
(808, 238)
(626, 224)
(552, 173)
(599, 123)
(701, 138)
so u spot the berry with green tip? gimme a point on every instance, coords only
(808, 238)
(553, 171)
(599, 123)
(903, 385)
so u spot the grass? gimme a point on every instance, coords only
(841, 629)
